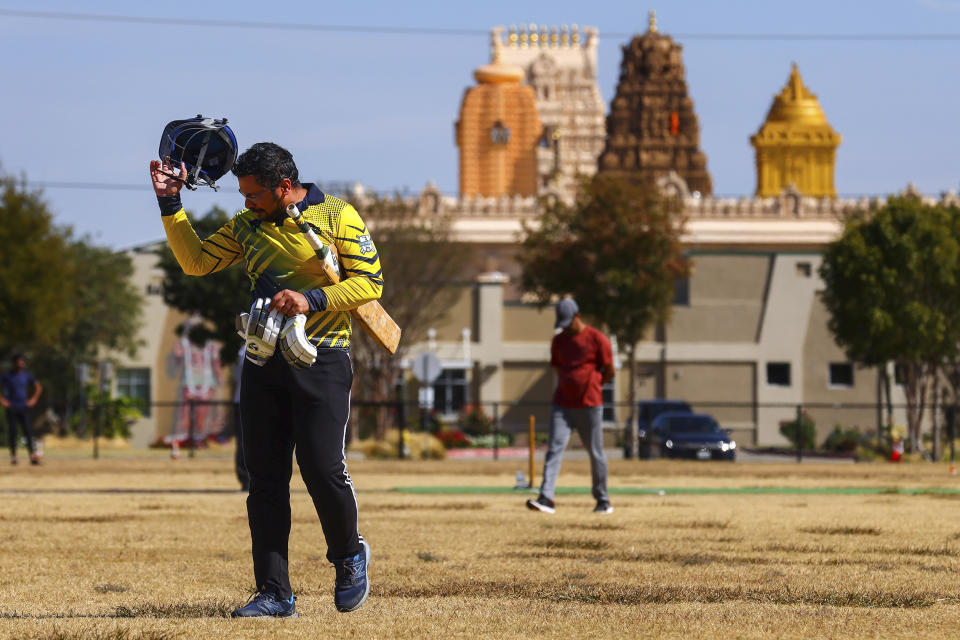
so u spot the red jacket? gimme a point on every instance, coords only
(580, 359)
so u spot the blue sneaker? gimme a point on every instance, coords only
(352, 586)
(267, 605)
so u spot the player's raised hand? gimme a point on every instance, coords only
(165, 182)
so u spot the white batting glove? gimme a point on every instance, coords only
(294, 344)
(241, 324)
(263, 327)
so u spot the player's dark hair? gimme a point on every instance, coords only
(269, 163)
(15, 357)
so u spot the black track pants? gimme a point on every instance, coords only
(21, 416)
(285, 409)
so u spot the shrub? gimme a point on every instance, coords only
(845, 440)
(474, 422)
(453, 438)
(416, 446)
(502, 440)
(788, 429)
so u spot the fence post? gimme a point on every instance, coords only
(402, 419)
(951, 427)
(96, 429)
(191, 427)
(496, 430)
(533, 439)
(799, 433)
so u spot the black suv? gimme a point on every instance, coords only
(647, 411)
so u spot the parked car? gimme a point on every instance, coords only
(647, 411)
(691, 435)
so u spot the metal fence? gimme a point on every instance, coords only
(189, 424)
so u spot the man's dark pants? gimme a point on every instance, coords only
(19, 415)
(285, 410)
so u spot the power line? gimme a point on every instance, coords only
(98, 186)
(448, 31)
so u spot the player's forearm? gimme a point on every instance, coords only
(351, 293)
(186, 245)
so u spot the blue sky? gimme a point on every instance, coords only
(85, 101)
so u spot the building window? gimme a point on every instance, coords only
(499, 134)
(135, 384)
(778, 374)
(900, 373)
(609, 398)
(841, 375)
(450, 391)
(681, 291)
(804, 269)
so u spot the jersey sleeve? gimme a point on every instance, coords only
(201, 257)
(606, 351)
(362, 276)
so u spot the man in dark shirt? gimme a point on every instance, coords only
(583, 360)
(17, 399)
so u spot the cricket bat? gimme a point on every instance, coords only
(371, 316)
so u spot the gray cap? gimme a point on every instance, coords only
(566, 309)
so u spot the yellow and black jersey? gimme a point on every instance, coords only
(277, 256)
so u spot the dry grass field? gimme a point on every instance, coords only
(145, 548)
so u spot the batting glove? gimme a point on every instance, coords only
(294, 344)
(263, 327)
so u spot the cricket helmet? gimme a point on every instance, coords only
(206, 146)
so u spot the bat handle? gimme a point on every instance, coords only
(294, 214)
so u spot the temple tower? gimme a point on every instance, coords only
(652, 127)
(561, 66)
(498, 133)
(796, 146)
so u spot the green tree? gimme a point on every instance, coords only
(422, 268)
(106, 316)
(62, 300)
(617, 251)
(37, 276)
(893, 293)
(217, 298)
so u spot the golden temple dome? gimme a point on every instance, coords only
(796, 104)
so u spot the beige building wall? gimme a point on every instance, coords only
(726, 390)
(820, 351)
(160, 357)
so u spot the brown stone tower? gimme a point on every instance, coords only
(652, 127)
(498, 133)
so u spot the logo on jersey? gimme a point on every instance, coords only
(366, 244)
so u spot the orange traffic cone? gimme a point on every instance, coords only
(175, 450)
(953, 469)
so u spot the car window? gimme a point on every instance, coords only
(692, 424)
(651, 410)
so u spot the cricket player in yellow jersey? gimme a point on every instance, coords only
(289, 405)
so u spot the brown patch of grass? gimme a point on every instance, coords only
(109, 587)
(587, 526)
(696, 524)
(452, 506)
(579, 544)
(117, 633)
(209, 609)
(616, 594)
(780, 547)
(842, 531)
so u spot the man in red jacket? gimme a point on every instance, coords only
(584, 362)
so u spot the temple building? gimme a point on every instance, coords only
(498, 133)
(652, 127)
(747, 340)
(560, 64)
(796, 147)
